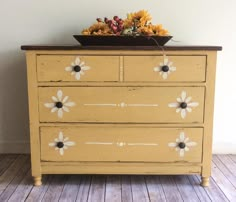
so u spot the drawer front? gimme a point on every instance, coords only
(77, 68)
(122, 104)
(179, 68)
(121, 144)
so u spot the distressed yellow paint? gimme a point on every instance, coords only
(116, 77)
(104, 104)
(121, 144)
(102, 68)
(119, 168)
(188, 68)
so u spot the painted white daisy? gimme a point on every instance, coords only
(183, 104)
(61, 143)
(165, 68)
(60, 104)
(77, 68)
(182, 144)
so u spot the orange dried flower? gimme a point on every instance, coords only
(159, 30)
(145, 30)
(98, 28)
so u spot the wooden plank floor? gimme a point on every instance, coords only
(16, 184)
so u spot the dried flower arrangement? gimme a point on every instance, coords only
(136, 24)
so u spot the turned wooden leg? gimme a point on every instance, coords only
(205, 181)
(38, 181)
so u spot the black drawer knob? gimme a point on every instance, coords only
(183, 105)
(182, 145)
(59, 104)
(165, 68)
(77, 68)
(60, 144)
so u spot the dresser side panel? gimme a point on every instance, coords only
(33, 113)
(209, 112)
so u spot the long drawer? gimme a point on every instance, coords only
(77, 68)
(121, 144)
(122, 104)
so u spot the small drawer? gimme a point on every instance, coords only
(77, 68)
(122, 104)
(121, 144)
(155, 69)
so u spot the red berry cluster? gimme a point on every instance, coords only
(116, 24)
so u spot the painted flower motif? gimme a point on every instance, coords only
(182, 144)
(165, 68)
(183, 104)
(120, 144)
(60, 104)
(61, 143)
(77, 68)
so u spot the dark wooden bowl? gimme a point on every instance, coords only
(91, 40)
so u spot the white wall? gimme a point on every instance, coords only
(202, 22)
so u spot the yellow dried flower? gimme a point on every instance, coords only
(86, 32)
(128, 23)
(141, 17)
(159, 30)
(98, 28)
(163, 32)
(146, 30)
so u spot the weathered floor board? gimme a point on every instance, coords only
(71, 189)
(126, 191)
(97, 189)
(37, 193)
(11, 172)
(12, 186)
(84, 188)
(16, 185)
(55, 188)
(5, 161)
(113, 188)
(139, 189)
(23, 190)
(223, 182)
(187, 192)
(170, 189)
(155, 189)
(200, 191)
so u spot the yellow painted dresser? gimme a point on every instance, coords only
(121, 110)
